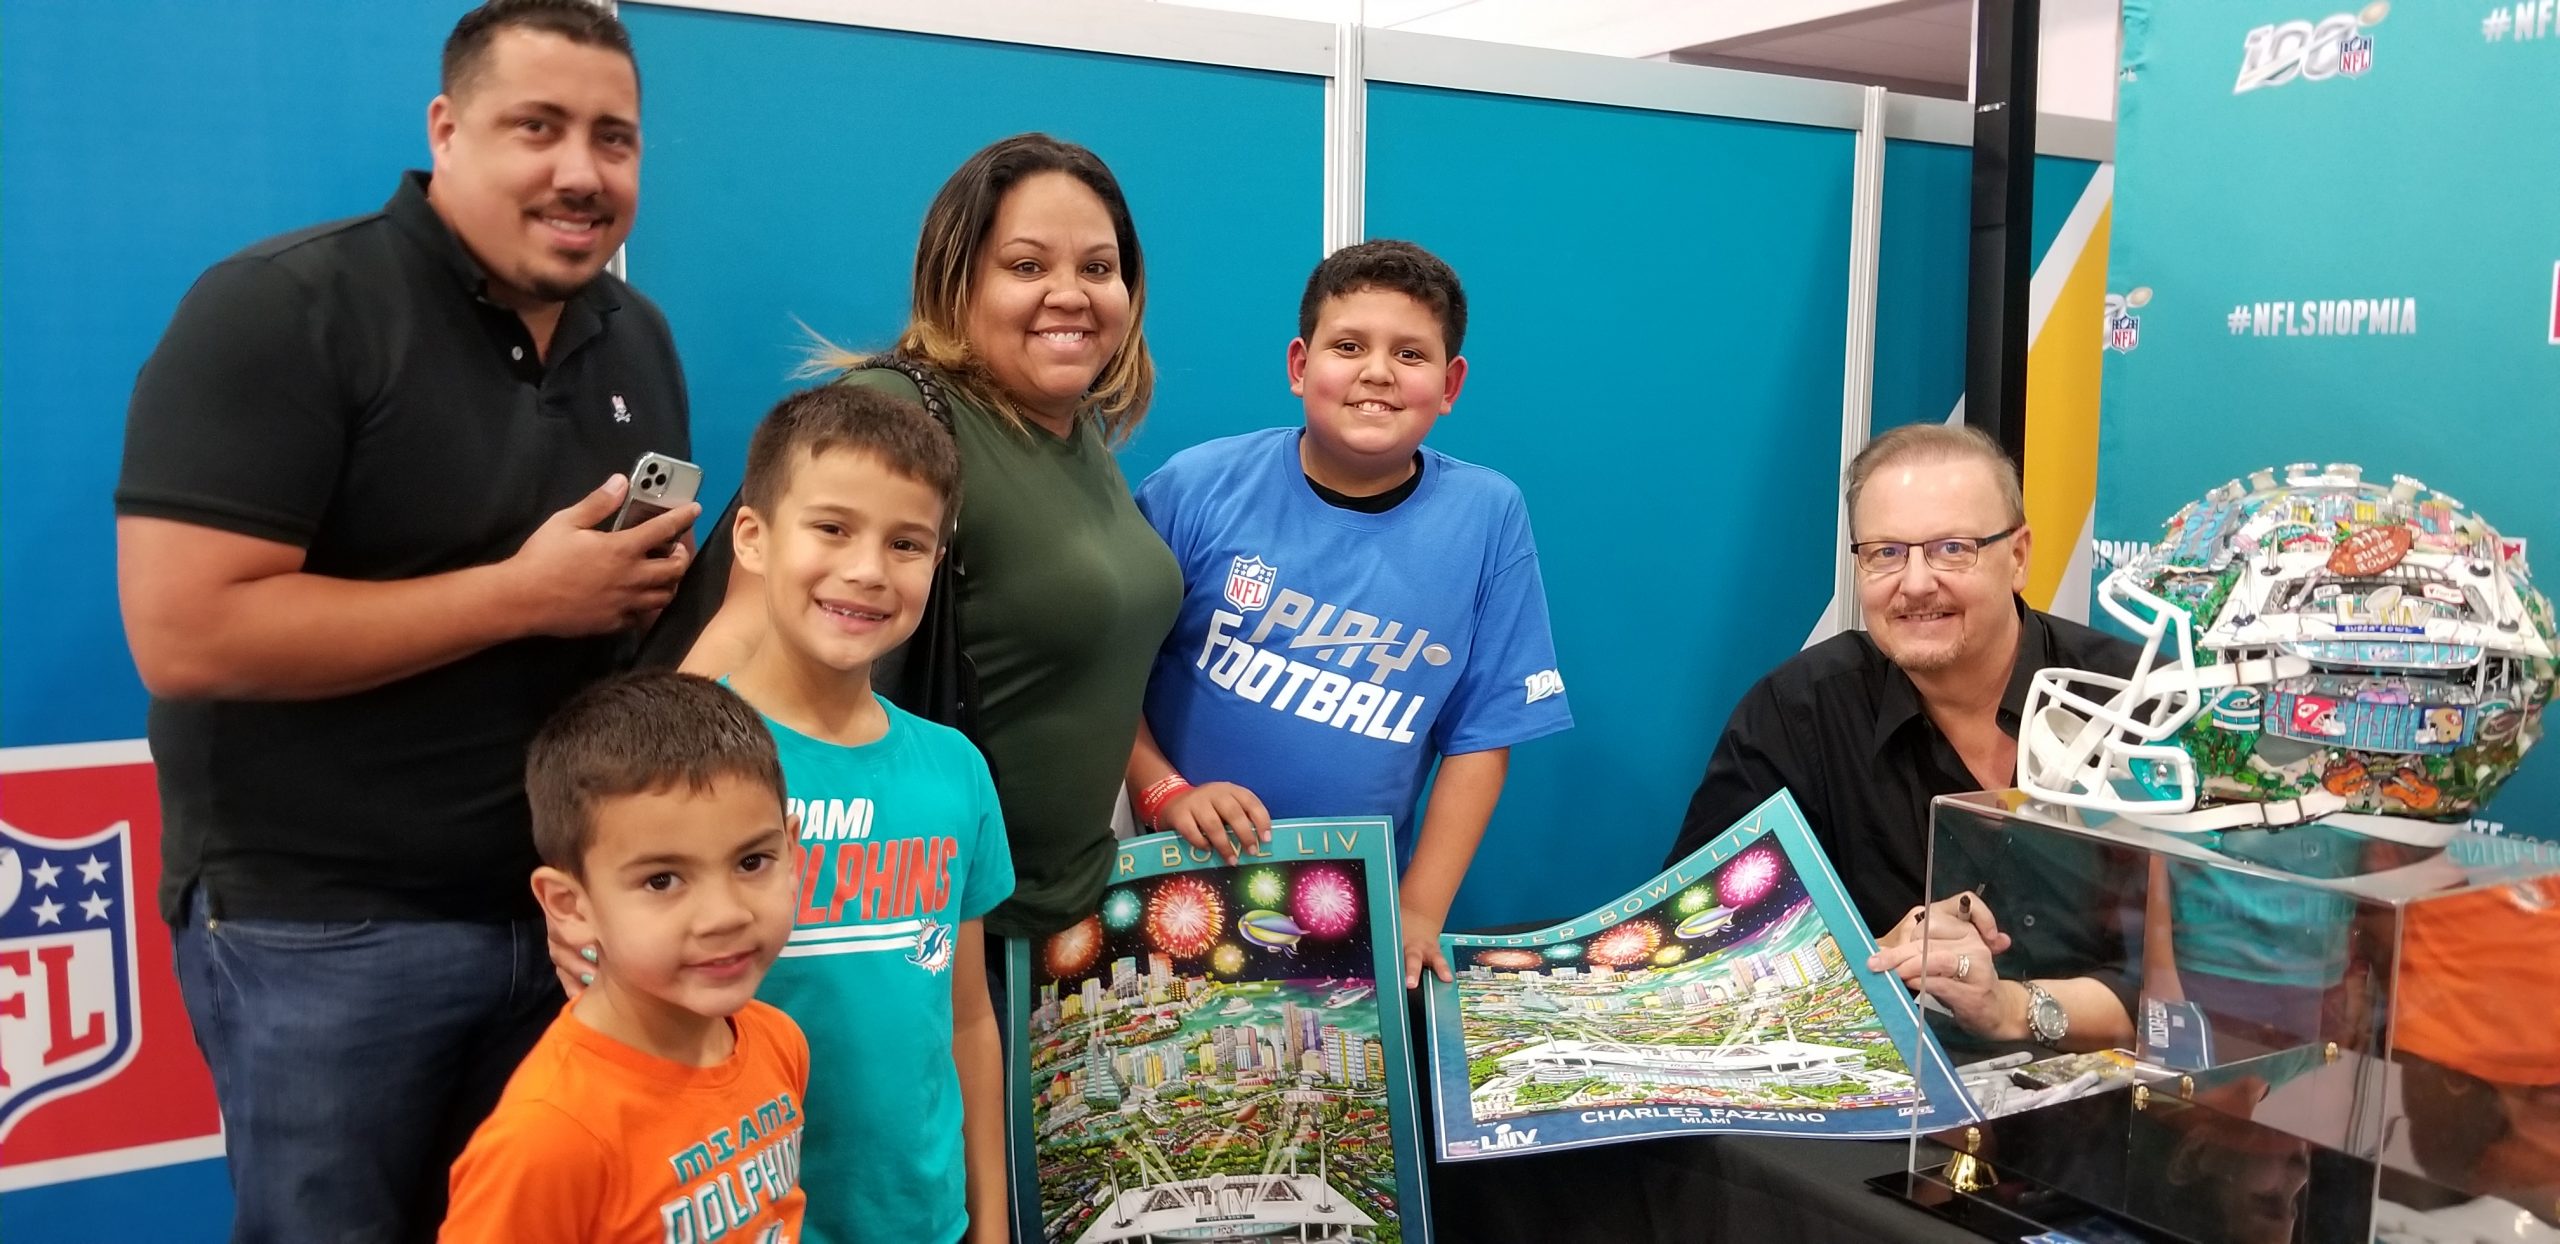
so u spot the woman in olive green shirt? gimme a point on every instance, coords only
(1029, 294)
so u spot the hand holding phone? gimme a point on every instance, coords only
(584, 570)
(659, 483)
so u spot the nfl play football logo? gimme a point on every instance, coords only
(68, 994)
(1249, 583)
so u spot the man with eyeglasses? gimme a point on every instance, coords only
(1865, 728)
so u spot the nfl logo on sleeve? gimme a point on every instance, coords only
(68, 994)
(1249, 583)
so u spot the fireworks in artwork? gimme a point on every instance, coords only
(1073, 951)
(1327, 905)
(1632, 942)
(1748, 877)
(1565, 951)
(1265, 887)
(1227, 959)
(1693, 900)
(1669, 955)
(1184, 916)
(1122, 909)
(1509, 960)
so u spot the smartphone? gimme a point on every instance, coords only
(658, 484)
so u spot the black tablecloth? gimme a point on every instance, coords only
(1766, 1190)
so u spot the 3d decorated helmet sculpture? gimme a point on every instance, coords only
(2314, 646)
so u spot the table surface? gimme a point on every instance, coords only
(1764, 1189)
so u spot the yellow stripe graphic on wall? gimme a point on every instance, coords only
(2067, 317)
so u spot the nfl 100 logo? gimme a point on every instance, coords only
(68, 991)
(2355, 55)
(1249, 583)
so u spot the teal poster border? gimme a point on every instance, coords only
(1141, 862)
(1942, 1100)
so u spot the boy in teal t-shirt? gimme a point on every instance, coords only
(844, 512)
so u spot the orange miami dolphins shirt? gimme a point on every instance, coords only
(596, 1141)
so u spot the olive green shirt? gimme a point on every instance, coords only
(1066, 592)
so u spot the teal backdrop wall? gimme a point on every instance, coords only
(1659, 303)
(2278, 157)
(144, 141)
(793, 195)
(1656, 306)
(1922, 259)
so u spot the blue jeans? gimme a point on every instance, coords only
(353, 1059)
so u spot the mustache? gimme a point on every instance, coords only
(579, 205)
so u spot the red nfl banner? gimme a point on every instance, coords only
(99, 1071)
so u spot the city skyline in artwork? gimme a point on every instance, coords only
(1726, 994)
(1208, 1051)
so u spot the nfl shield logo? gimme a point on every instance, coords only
(2355, 55)
(1249, 583)
(2124, 332)
(68, 993)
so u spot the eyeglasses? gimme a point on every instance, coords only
(1889, 557)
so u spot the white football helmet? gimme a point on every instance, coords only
(2314, 647)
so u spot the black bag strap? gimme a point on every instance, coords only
(929, 388)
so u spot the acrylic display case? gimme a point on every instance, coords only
(2299, 1035)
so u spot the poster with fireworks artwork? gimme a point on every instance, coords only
(1208, 1056)
(1728, 994)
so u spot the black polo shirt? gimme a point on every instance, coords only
(349, 389)
(1841, 728)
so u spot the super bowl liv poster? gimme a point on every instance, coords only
(1219, 1051)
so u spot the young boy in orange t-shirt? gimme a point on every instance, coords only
(665, 1102)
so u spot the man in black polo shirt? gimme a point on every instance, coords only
(1865, 728)
(359, 560)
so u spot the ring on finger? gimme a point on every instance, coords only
(1964, 966)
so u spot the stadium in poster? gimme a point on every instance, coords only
(1209, 1056)
(1729, 994)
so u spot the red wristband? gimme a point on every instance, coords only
(1152, 800)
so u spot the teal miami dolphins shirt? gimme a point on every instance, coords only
(901, 841)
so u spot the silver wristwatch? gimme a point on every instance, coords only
(2047, 1022)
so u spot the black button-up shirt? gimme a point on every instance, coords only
(351, 390)
(1841, 727)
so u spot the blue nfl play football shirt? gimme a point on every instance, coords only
(1325, 658)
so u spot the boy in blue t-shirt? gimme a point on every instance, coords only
(1355, 606)
(846, 505)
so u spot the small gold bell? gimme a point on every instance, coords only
(1967, 1173)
